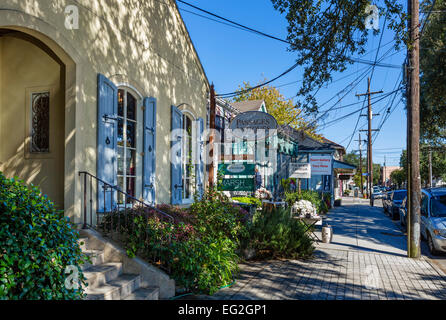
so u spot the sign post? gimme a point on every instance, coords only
(300, 171)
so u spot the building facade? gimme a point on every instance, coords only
(329, 172)
(271, 156)
(98, 87)
(386, 171)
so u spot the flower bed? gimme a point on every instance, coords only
(263, 194)
(198, 249)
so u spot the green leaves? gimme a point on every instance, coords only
(433, 74)
(198, 250)
(274, 234)
(36, 244)
(325, 34)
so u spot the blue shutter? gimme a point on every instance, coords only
(199, 174)
(149, 150)
(107, 136)
(176, 156)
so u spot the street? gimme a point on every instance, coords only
(366, 260)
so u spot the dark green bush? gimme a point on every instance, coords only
(36, 245)
(198, 249)
(275, 234)
(249, 200)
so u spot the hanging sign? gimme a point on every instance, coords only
(253, 125)
(238, 184)
(320, 165)
(300, 170)
(237, 168)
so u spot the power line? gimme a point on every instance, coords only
(246, 28)
(326, 125)
(371, 77)
(233, 22)
(236, 93)
(215, 20)
(427, 18)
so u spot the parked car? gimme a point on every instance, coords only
(433, 218)
(403, 213)
(376, 193)
(396, 199)
(386, 201)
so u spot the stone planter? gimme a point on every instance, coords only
(249, 253)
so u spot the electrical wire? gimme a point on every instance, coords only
(326, 125)
(427, 18)
(236, 93)
(244, 27)
(371, 77)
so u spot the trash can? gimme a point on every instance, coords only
(327, 233)
(356, 193)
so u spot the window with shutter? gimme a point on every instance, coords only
(149, 150)
(107, 142)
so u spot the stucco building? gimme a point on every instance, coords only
(97, 87)
(386, 171)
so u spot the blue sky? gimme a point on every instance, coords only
(231, 56)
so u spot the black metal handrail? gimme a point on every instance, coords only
(116, 221)
(106, 186)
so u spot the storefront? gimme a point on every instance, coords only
(99, 90)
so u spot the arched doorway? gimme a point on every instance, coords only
(32, 113)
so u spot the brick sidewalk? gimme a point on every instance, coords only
(339, 275)
(366, 260)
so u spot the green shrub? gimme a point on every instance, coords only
(37, 244)
(198, 250)
(249, 200)
(275, 234)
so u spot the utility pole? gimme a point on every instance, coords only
(211, 136)
(369, 141)
(430, 167)
(384, 172)
(360, 163)
(413, 137)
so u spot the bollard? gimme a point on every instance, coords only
(327, 234)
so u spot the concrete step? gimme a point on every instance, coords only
(122, 286)
(148, 293)
(97, 257)
(100, 275)
(83, 243)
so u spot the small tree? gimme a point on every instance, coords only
(282, 109)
